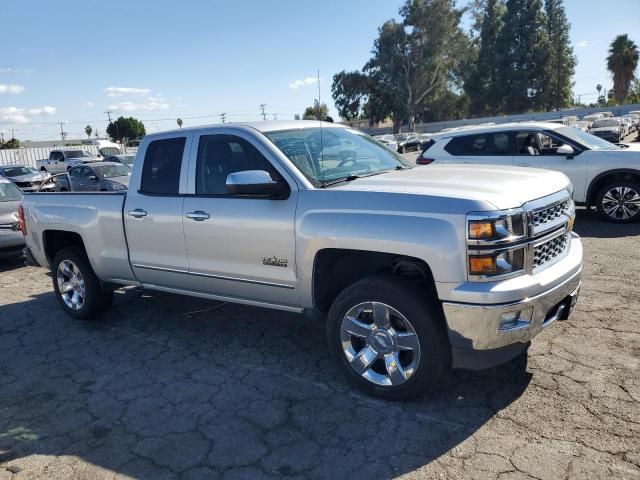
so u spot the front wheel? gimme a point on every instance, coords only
(388, 335)
(76, 286)
(619, 201)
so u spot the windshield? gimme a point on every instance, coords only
(76, 154)
(17, 171)
(586, 139)
(110, 171)
(330, 154)
(108, 151)
(126, 159)
(605, 123)
(9, 192)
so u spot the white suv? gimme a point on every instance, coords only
(603, 174)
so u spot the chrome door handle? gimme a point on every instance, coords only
(137, 213)
(198, 215)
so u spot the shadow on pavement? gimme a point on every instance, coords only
(166, 385)
(590, 224)
(11, 262)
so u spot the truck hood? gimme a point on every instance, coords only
(504, 187)
(30, 177)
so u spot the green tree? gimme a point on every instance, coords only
(557, 82)
(349, 89)
(622, 63)
(482, 83)
(88, 130)
(437, 52)
(129, 128)
(523, 51)
(319, 111)
(13, 143)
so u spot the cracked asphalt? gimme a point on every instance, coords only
(175, 387)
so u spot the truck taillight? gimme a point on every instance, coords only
(23, 224)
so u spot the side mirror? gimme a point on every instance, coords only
(93, 178)
(252, 182)
(567, 150)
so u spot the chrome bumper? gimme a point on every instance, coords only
(482, 327)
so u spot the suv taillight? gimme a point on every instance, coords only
(23, 224)
(424, 161)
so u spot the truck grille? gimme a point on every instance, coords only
(549, 214)
(549, 250)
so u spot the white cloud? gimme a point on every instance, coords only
(22, 115)
(582, 44)
(152, 103)
(11, 88)
(88, 104)
(303, 83)
(17, 70)
(120, 91)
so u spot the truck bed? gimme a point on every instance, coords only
(96, 217)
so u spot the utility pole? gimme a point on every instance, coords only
(13, 131)
(109, 112)
(62, 132)
(223, 117)
(264, 114)
(275, 116)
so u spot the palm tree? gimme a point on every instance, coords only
(622, 62)
(88, 130)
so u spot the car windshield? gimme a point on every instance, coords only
(76, 154)
(110, 171)
(586, 139)
(17, 171)
(9, 192)
(126, 160)
(606, 123)
(329, 155)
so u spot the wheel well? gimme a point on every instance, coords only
(605, 178)
(56, 240)
(336, 269)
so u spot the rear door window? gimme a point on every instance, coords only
(162, 165)
(485, 144)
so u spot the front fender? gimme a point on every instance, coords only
(436, 239)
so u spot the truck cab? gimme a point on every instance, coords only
(60, 161)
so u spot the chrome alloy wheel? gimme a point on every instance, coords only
(71, 284)
(621, 203)
(380, 344)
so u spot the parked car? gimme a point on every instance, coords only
(602, 173)
(125, 159)
(635, 121)
(627, 124)
(11, 238)
(97, 177)
(607, 114)
(25, 177)
(389, 141)
(592, 118)
(582, 125)
(62, 160)
(612, 129)
(418, 270)
(407, 142)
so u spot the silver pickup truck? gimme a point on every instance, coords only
(416, 269)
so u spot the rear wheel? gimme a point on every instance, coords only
(619, 201)
(76, 286)
(388, 335)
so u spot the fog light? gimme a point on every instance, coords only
(516, 320)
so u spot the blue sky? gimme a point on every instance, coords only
(70, 60)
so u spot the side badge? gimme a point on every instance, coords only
(275, 261)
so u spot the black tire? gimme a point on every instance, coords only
(618, 217)
(423, 312)
(96, 300)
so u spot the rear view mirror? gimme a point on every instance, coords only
(252, 182)
(565, 149)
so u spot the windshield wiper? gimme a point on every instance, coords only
(351, 178)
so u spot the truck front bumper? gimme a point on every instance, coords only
(485, 335)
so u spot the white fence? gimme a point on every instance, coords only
(28, 156)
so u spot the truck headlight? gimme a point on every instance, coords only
(496, 263)
(496, 228)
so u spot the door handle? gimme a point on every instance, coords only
(198, 215)
(137, 213)
(524, 164)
